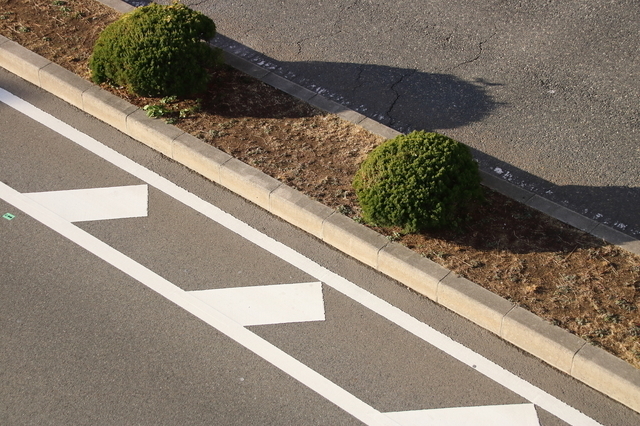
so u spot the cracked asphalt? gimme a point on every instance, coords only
(545, 92)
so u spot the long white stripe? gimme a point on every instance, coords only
(383, 308)
(205, 312)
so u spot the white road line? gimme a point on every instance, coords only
(488, 415)
(383, 308)
(200, 309)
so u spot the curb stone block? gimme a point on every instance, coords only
(378, 128)
(325, 104)
(408, 267)
(352, 238)
(152, 132)
(552, 344)
(65, 85)
(287, 86)
(118, 5)
(351, 116)
(299, 210)
(248, 182)
(473, 302)
(22, 62)
(561, 213)
(504, 187)
(199, 156)
(245, 66)
(107, 107)
(609, 374)
(618, 238)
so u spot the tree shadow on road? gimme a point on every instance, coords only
(582, 206)
(392, 96)
(397, 96)
(429, 101)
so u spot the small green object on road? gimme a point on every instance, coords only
(8, 216)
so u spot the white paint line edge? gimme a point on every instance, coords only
(79, 205)
(201, 310)
(267, 304)
(485, 415)
(381, 307)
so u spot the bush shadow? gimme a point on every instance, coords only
(527, 214)
(392, 96)
(504, 223)
(397, 96)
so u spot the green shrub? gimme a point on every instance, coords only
(417, 181)
(156, 51)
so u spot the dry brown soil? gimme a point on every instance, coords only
(563, 275)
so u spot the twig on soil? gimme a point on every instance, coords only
(570, 253)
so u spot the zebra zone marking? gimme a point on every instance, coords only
(278, 358)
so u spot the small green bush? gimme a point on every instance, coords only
(417, 181)
(156, 51)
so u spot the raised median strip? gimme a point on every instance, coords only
(567, 352)
(110, 108)
(556, 346)
(71, 88)
(191, 152)
(474, 302)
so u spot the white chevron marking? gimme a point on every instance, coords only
(270, 304)
(78, 205)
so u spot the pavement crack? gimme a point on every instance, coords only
(299, 45)
(358, 82)
(474, 59)
(393, 121)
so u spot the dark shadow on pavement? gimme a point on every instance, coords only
(436, 101)
(607, 205)
(394, 96)
(440, 101)
(520, 222)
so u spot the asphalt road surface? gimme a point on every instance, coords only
(545, 92)
(133, 291)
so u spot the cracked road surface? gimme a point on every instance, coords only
(545, 92)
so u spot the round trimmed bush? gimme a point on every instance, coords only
(156, 51)
(417, 181)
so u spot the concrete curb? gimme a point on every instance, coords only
(567, 352)
(491, 181)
